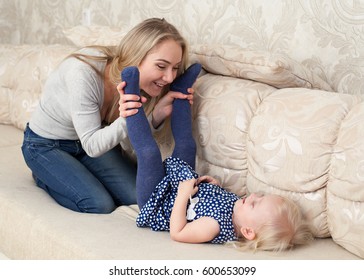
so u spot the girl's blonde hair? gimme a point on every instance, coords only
(288, 229)
(131, 51)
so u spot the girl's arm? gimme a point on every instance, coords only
(201, 230)
(208, 179)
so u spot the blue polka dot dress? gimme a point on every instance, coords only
(210, 201)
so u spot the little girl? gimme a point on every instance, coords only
(172, 197)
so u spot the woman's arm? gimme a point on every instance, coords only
(201, 230)
(163, 109)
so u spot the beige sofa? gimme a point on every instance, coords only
(262, 122)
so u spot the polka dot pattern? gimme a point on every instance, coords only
(214, 202)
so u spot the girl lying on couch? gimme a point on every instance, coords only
(172, 197)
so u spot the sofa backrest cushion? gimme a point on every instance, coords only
(303, 143)
(273, 69)
(23, 72)
(82, 35)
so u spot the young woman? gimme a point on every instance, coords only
(71, 143)
(195, 209)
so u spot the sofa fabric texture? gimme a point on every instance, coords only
(303, 143)
(325, 36)
(288, 136)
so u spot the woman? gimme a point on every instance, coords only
(71, 143)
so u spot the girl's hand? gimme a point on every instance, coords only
(187, 189)
(128, 103)
(163, 108)
(208, 179)
(202, 230)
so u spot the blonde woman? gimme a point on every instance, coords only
(71, 143)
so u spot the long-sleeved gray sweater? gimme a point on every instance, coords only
(70, 108)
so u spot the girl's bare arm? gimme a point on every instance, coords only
(201, 230)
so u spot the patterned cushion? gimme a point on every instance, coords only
(272, 69)
(24, 70)
(82, 36)
(301, 143)
(345, 191)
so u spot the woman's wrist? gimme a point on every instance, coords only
(156, 122)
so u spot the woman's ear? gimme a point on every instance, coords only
(248, 233)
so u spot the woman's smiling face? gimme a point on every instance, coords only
(160, 66)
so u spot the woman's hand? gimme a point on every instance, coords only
(129, 103)
(163, 108)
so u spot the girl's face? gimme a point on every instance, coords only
(253, 211)
(159, 67)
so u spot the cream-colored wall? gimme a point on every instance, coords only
(325, 35)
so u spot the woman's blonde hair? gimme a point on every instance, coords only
(288, 229)
(131, 51)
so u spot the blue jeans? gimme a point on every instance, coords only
(77, 181)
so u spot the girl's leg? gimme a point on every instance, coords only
(150, 170)
(181, 120)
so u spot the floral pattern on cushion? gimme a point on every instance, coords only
(325, 36)
(294, 132)
(346, 185)
(25, 73)
(82, 36)
(270, 68)
(222, 110)
(301, 143)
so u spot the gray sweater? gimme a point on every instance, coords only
(70, 108)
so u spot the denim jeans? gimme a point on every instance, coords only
(77, 181)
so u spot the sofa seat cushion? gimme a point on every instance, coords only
(10, 136)
(34, 226)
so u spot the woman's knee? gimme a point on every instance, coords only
(97, 205)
